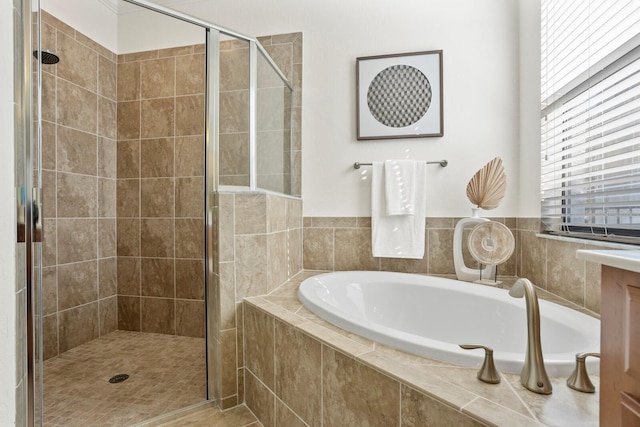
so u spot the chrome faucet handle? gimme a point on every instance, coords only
(579, 379)
(487, 372)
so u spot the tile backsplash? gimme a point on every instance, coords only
(344, 243)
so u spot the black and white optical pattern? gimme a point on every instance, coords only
(399, 96)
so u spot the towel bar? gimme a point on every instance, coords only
(442, 163)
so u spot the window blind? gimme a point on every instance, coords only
(590, 124)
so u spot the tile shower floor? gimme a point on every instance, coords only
(166, 372)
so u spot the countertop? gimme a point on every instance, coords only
(623, 259)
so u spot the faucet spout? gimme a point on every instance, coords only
(534, 375)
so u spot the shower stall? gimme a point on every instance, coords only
(166, 183)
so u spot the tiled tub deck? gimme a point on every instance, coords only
(300, 370)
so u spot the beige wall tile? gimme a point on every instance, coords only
(107, 277)
(157, 117)
(440, 246)
(107, 78)
(107, 238)
(76, 151)
(157, 197)
(276, 213)
(76, 196)
(250, 213)
(234, 116)
(298, 372)
(157, 277)
(77, 284)
(234, 154)
(294, 251)
(157, 78)
(189, 113)
(277, 261)
(533, 256)
(317, 247)
(260, 400)
(189, 156)
(128, 237)
(592, 286)
(128, 276)
(419, 410)
(107, 158)
(49, 336)
(406, 265)
(437, 222)
(107, 195)
(259, 344)
(49, 242)
(190, 318)
(128, 198)
(294, 213)
(49, 290)
(157, 237)
(76, 107)
(565, 274)
(335, 222)
(128, 120)
(48, 145)
(157, 315)
(78, 326)
(226, 230)
(227, 296)
(128, 313)
(107, 118)
(128, 159)
(229, 363)
(250, 265)
(157, 158)
(80, 64)
(189, 197)
(49, 95)
(190, 74)
(77, 240)
(353, 250)
(190, 279)
(234, 69)
(191, 237)
(108, 315)
(49, 194)
(285, 417)
(128, 82)
(354, 394)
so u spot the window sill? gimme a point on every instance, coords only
(597, 243)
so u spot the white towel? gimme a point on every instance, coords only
(398, 236)
(400, 177)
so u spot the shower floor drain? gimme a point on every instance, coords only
(118, 378)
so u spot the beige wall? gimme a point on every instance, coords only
(160, 191)
(79, 188)
(344, 243)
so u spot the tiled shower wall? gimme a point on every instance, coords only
(286, 52)
(79, 187)
(160, 191)
(260, 248)
(344, 243)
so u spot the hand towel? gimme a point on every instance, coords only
(397, 236)
(399, 186)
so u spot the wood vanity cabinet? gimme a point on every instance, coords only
(620, 348)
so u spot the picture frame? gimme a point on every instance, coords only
(399, 96)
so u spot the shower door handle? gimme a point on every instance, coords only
(21, 215)
(36, 214)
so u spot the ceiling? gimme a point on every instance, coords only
(121, 6)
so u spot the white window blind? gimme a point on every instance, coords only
(590, 148)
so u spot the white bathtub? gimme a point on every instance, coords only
(430, 316)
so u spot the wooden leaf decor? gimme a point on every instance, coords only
(487, 187)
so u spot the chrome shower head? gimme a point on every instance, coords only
(47, 57)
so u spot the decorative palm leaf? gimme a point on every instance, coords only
(487, 187)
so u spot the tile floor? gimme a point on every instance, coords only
(209, 416)
(166, 372)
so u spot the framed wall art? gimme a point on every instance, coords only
(399, 96)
